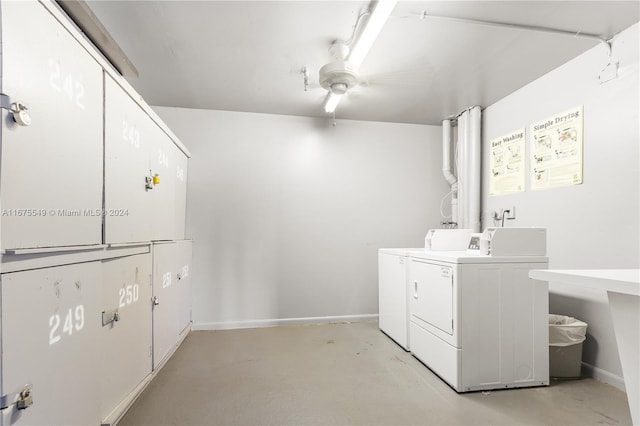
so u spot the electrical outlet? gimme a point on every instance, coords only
(508, 214)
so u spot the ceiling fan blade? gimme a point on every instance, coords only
(420, 75)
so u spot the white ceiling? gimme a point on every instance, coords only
(248, 55)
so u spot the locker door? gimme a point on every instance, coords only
(128, 139)
(180, 201)
(51, 171)
(432, 294)
(165, 296)
(50, 326)
(125, 345)
(183, 274)
(163, 163)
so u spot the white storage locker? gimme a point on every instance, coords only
(171, 296)
(125, 341)
(129, 141)
(163, 165)
(136, 150)
(56, 332)
(50, 341)
(165, 302)
(51, 171)
(180, 191)
(183, 275)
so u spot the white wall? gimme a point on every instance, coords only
(596, 224)
(287, 213)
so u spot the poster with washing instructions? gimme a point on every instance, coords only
(507, 163)
(556, 150)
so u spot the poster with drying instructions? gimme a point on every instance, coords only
(556, 150)
(507, 163)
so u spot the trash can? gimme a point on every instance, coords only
(566, 335)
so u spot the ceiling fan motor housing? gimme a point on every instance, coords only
(338, 77)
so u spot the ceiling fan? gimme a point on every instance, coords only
(341, 75)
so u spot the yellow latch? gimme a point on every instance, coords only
(156, 179)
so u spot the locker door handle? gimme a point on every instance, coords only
(415, 289)
(110, 317)
(155, 301)
(18, 110)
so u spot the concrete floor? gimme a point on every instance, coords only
(343, 374)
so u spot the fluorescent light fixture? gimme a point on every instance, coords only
(371, 30)
(331, 102)
(361, 46)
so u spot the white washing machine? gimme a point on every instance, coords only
(478, 321)
(393, 294)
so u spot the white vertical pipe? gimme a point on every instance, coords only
(473, 179)
(462, 167)
(466, 180)
(446, 152)
(447, 167)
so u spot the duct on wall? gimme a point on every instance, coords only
(465, 187)
(447, 167)
(468, 162)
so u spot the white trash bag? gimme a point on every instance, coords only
(566, 331)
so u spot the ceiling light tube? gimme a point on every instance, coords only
(361, 46)
(331, 102)
(370, 32)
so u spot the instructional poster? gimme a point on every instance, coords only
(507, 164)
(556, 150)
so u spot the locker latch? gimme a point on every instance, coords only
(109, 317)
(18, 110)
(25, 399)
(155, 301)
(22, 399)
(151, 181)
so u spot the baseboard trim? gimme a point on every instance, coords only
(121, 409)
(601, 375)
(232, 325)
